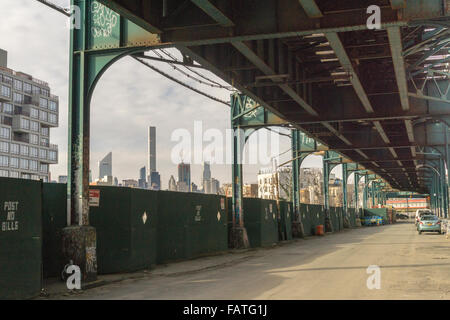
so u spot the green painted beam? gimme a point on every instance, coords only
(214, 13)
(311, 8)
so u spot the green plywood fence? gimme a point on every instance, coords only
(126, 222)
(20, 238)
(190, 225)
(285, 221)
(312, 215)
(54, 219)
(260, 219)
(382, 212)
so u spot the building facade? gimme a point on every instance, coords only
(28, 111)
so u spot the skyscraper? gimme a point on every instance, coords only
(172, 184)
(151, 150)
(105, 166)
(184, 175)
(142, 182)
(155, 180)
(206, 182)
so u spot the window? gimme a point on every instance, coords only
(8, 108)
(43, 154)
(52, 105)
(27, 87)
(18, 85)
(45, 142)
(43, 103)
(52, 118)
(34, 113)
(24, 123)
(24, 150)
(33, 165)
(14, 148)
(44, 168)
(18, 97)
(44, 178)
(14, 174)
(6, 91)
(36, 90)
(14, 162)
(24, 164)
(4, 173)
(4, 161)
(34, 152)
(4, 146)
(43, 115)
(34, 139)
(45, 92)
(7, 79)
(5, 132)
(25, 176)
(34, 126)
(44, 131)
(52, 155)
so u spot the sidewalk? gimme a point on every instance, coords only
(54, 287)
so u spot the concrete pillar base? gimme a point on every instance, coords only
(79, 244)
(239, 238)
(297, 229)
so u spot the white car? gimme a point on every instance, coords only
(421, 212)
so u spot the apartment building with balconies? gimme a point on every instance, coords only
(28, 111)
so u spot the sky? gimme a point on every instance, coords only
(128, 98)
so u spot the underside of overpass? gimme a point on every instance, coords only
(373, 97)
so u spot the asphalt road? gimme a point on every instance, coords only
(412, 266)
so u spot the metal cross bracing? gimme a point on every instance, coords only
(359, 81)
(313, 64)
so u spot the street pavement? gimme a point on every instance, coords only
(411, 266)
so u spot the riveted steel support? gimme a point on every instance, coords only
(101, 38)
(297, 156)
(326, 194)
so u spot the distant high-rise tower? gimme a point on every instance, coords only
(206, 183)
(184, 174)
(142, 180)
(151, 150)
(172, 184)
(105, 166)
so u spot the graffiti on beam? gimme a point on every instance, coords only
(103, 20)
(252, 104)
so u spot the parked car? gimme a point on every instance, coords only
(421, 212)
(429, 223)
(401, 216)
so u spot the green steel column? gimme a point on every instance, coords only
(344, 188)
(238, 214)
(295, 174)
(326, 196)
(79, 118)
(356, 185)
(326, 175)
(365, 192)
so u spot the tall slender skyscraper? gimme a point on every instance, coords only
(151, 150)
(105, 166)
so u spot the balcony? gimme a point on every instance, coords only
(18, 124)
